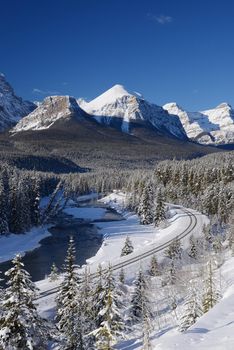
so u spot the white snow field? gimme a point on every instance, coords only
(214, 330)
(144, 238)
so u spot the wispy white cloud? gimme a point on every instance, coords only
(44, 92)
(160, 19)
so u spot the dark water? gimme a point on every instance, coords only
(53, 249)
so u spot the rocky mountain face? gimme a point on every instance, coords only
(213, 126)
(51, 111)
(118, 108)
(12, 107)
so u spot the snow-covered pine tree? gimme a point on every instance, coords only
(154, 268)
(87, 309)
(171, 273)
(98, 297)
(128, 247)
(139, 299)
(208, 235)
(21, 326)
(160, 210)
(192, 311)
(69, 317)
(174, 251)
(54, 273)
(211, 295)
(3, 210)
(145, 206)
(112, 325)
(193, 247)
(217, 243)
(35, 200)
(122, 276)
(146, 331)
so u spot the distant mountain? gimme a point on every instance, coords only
(59, 127)
(213, 126)
(12, 107)
(126, 111)
(52, 110)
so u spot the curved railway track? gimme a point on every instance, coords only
(192, 224)
(156, 249)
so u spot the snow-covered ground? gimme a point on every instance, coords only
(214, 330)
(12, 244)
(143, 237)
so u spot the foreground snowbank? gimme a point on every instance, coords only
(214, 330)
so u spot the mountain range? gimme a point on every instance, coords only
(127, 112)
(118, 128)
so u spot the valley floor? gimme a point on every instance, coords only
(214, 330)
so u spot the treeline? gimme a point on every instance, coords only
(20, 194)
(205, 184)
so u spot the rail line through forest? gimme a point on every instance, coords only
(148, 253)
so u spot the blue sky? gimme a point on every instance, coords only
(177, 50)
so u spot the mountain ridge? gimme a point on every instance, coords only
(12, 107)
(211, 126)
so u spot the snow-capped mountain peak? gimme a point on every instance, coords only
(119, 108)
(107, 98)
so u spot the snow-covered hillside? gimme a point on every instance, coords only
(50, 111)
(117, 107)
(213, 126)
(214, 330)
(12, 107)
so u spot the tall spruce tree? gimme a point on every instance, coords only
(154, 268)
(140, 303)
(98, 297)
(69, 310)
(112, 325)
(145, 207)
(211, 295)
(20, 325)
(160, 210)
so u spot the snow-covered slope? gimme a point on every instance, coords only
(119, 108)
(12, 107)
(214, 126)
(214, 330)
(50, 111)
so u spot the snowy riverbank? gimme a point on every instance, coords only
(13, 244)
(143, 237)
